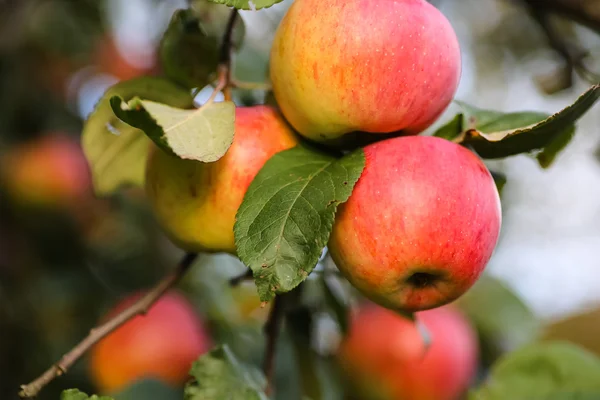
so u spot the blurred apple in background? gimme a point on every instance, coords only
(385, 357)
(161, 345)
(110, 60)
(49, 171)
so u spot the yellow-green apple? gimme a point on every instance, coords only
(384, 355)
(162, 344)
(50, 171)
(421, 224)
(196, 202)
(375, 66)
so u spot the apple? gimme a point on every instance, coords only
(376, 66)
(196, 203)
(161, 344)
(49, 171)
(384, 355)
(110, 60)
(421, 224)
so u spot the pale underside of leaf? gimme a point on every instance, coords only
(204, 134)
(116, 151)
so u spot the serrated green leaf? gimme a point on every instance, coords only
(74, 394)
(218, 375)
(287, 214)
(203, 134)
(505, 135)
(551, 370)
(189, 49)
(117, 152)
(247, 4)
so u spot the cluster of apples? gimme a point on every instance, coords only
(424, 217)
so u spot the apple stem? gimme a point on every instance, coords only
(140, 307)
(272, 327)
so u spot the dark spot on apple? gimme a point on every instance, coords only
(422, 280)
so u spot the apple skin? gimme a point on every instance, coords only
(48, 172)
(377, 66)
(420, 226)
(196, 203)
(162, 345)
(385, 357)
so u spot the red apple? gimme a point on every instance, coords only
(48, 171)
(384, 355)
(421, 224)
(196, 203)
(161, 344)
(375, 66)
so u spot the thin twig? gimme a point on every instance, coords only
(272, 328)
(140, 307)
(225, 56)
(223, 83)
(572, 53)
(236, 280)
(584, 12)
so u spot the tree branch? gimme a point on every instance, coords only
(585, 12)
(140, 307)
(225, 56)
(272, 328)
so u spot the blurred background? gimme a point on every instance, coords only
(67, 256)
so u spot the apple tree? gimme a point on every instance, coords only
(343, 190)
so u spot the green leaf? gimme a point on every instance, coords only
(202, 134)
(502, 320)
(493, 134)
(74, 394)
(452, 129)
(247, 4)
(189, 49)
(218, 375)
(287, 214)
(117, 152)
(545, 371)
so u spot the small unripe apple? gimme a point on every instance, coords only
(50, 171)
(161, 344)
(421, 224)
(196, 202)
(384, 355)
(377, 66)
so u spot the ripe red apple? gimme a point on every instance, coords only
(375, 66)
(384, 355)
(196, 202)
(161, 344)
(421, 224)
(49, 171)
